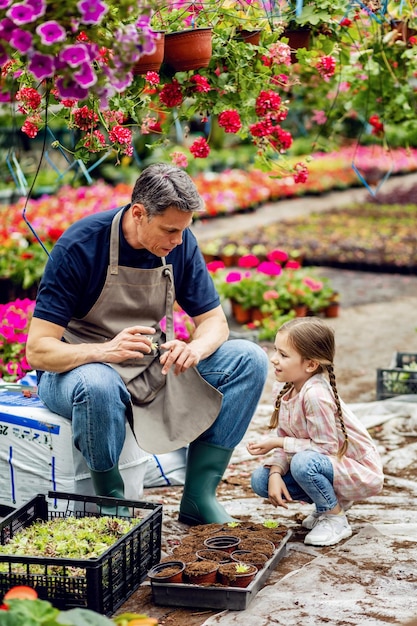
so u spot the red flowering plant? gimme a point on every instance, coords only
(243, 90)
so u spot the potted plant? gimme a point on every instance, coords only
(236, 574)
(167, 572)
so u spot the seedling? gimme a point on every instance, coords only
(270, 523)
(242, 568)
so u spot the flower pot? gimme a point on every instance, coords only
(228, 543)
(258, 545)
(188, 49)
(211, 554)
(257, 315)
(151, 62)
(300, 310)
(167, 572)
(249, 36)
(229, 260)
(258, 559)
(201, 572)
(229, 576)
(332, 310)
(241, 315)
(297, 38)
(403, 31)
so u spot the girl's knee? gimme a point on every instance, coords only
(259, 481)
(301, 462)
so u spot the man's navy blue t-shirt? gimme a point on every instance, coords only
(76, 271)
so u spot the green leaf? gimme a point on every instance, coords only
(83, 617)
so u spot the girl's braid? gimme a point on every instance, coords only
(274, 417)
(332, 380)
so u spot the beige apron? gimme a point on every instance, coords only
(168, 411)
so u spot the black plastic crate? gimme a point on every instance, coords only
(404, 360)
(395, 382)
(102, 584)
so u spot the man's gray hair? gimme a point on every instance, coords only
(161, 186)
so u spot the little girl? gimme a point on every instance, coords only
(322, 452)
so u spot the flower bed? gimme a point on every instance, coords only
(369, 237)
(22, 259)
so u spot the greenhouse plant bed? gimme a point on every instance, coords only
(217, 596)
(101, 584)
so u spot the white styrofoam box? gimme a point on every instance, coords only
(37, 454)
(164, 470)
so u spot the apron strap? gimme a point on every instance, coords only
(170, 297)
(114, 243)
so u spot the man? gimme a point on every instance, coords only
(102, 358)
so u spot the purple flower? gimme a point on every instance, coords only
(143, 22)
(74, 55)
(39, 7)
(68, 88)
(21, 14)
(5, 97)
(21, 40)
(85, 76)
(92, 11)
(4, 4)
(41, 65)
(50, 32)
(6, 29)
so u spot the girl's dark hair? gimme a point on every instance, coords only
(161, 186)
(313, 339)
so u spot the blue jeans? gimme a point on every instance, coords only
(95, 398)
(310, 479)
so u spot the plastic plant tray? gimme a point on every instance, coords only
(217, 597)
(101, 584)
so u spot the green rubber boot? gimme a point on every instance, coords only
(110, 483)
(206, 464)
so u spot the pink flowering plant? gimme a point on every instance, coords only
(14, 324)
(184, 326)
(276, 285)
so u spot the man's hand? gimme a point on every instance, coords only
(130, 343)
(179, 355)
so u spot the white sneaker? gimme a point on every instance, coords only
(311, 520)
(329, 530)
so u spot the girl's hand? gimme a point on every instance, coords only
(278, 493)
(263, 447)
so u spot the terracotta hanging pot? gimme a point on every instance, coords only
(298, 38)
(151, 62)
(249, 36)
(188, 49)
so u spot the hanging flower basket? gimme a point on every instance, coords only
(297, 38)
(151, 62)
(188, 49)
(249, 36)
